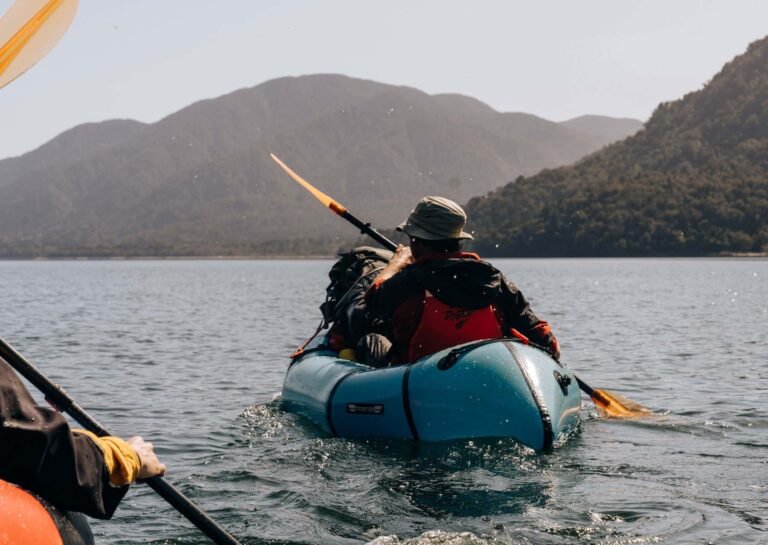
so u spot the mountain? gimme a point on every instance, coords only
(201, 182)
(693, 181)
(74, 145)
(608, 128)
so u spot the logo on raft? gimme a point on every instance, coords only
(365, 408)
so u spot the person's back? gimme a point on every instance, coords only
(437, 296)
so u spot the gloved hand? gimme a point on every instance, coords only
(542, 335)
(127, 461)
(150, 465)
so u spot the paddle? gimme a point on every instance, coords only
(28, 31)
(611, 404)
(57, 397)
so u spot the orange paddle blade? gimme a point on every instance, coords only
(28, 31)
(616, 406)
(319, 195)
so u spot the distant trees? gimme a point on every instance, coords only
(693, 182)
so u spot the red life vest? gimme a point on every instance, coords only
(443, 326)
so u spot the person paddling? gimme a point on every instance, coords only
(437, 296)
(73, 469)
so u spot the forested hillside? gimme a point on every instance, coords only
(694, 181)
(200, 181)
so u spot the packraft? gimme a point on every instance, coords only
(492, 388)
(482, 388)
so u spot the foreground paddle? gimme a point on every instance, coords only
(610, 404)
(57, 397)
(28, 31)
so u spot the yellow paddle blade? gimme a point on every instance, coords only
(616, 406)
(29, 30)
(319, 195)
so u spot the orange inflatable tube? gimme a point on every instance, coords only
(24, 520)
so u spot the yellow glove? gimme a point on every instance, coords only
(123, 463)
(348, 354)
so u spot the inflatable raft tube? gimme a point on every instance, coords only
(492, 388)
(26, 519)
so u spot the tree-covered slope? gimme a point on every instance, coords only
(694, 181)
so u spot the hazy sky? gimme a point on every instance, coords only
(144, 59)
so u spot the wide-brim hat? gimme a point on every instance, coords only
(436, 218)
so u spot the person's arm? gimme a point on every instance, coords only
(389, 287)
(127, 461)
(518, 315)
(71, 469)
(400, 260)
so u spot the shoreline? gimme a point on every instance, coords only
(174, 258)
(723, 255)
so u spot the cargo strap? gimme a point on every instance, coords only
(300, 350)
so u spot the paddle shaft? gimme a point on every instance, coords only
(586, 388)
(366, 229)
(56, 395)
(591, 392)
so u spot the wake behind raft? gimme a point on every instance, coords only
(26, 519)
(489, 388)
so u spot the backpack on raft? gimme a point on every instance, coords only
(351, 276)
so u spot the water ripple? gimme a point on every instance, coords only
(191, 355)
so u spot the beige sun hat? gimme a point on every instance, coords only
(436, 218)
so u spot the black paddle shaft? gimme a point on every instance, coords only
(366, 229)
(57, 397)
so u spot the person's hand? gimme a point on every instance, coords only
(542, 335)
(150, 465)
(402, 258)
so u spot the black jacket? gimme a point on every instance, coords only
(460, 280)
(39, 452)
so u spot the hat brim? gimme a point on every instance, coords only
(418, 232)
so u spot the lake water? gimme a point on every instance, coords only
(191, 354)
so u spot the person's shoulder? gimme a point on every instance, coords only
(410, 273)
(503, 279)
(483, 262)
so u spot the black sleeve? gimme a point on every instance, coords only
(515, 308)
(382, 300)
(39, 452)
